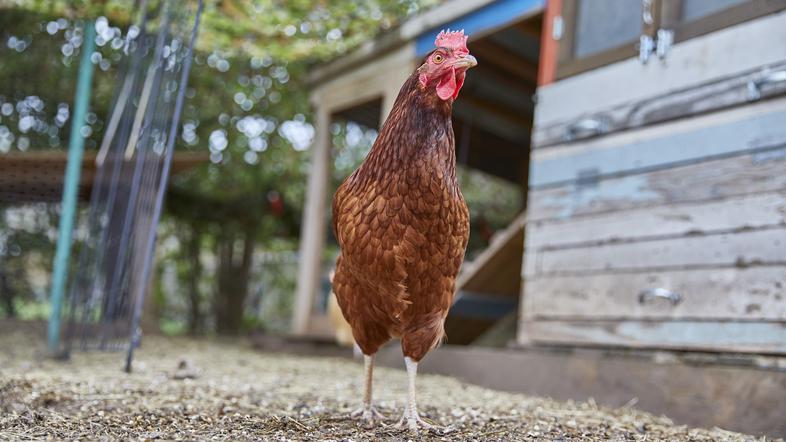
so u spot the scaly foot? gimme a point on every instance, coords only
(414, 422)
(367, 414)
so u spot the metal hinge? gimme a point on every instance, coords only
(557, 26)
(765, 79)
(665, 40)
(646, 46)
(660, 45)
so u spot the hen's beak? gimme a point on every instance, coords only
(466, 62)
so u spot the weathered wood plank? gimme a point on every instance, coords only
(695, 139)
(756, 293)
(744, 337)
(761, 171)
(717, 55)
(744, 248)
(747, 211)
(718, 94)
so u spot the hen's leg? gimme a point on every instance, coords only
(367, 412)
(411, 418)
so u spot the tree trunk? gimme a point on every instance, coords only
(7, 295)
(233, 284)
(195, 321)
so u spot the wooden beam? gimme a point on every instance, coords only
(502, 129)
(491, 153)
(743, 337)
(511, 115)
(531, 27)
(312, 238)
(489, 52)
(490, 73)
(549, 47)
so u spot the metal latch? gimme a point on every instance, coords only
(659, 292)
(767, 78)
(586, 127)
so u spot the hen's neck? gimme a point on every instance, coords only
(418, 124)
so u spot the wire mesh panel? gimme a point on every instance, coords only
(111, 277)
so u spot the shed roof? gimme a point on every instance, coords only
(476, 17)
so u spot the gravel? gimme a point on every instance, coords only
(224, 389)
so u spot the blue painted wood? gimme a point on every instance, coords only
(490, 16)
(646, 155)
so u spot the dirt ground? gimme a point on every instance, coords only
(211, 389)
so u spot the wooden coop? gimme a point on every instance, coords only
(650, 139)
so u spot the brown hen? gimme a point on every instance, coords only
(402, 223)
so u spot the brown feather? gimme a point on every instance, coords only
(402, 225)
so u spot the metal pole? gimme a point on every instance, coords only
(71, 186)
(151, 239)
(87, 269)
(143, 117)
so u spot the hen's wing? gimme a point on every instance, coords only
(374, 245)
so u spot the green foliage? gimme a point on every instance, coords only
(247, 106)
(25, 249)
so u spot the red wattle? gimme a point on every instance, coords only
(446, 88)
(459, 82)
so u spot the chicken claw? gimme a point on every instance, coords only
(369, 415)
(414, 423)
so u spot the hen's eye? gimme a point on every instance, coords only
(438, 58)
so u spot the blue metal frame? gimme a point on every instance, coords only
(490, 16)
(76, 147)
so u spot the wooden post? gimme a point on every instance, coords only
(396, 79)
(549, 47)
(312, 235)
(388, 99)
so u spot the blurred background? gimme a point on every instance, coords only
(622, 162)
(246, 120)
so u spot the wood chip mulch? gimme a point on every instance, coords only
(219, 389)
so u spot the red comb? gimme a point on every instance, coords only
(455, 40)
